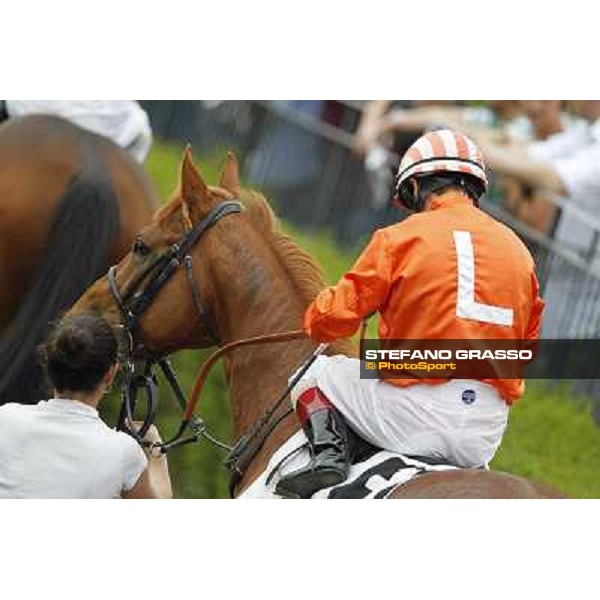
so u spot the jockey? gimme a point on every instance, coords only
(448, 272)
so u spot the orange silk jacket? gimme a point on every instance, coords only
(452, 272)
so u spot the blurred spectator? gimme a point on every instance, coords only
(546, 117)
(287, 160)
(378, 163)
(381, 149)
(499, 120)
(503, 119)
(374, 119)
(123, 121)
(549, 123)
(368, 132)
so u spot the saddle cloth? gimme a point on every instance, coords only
(374, 474)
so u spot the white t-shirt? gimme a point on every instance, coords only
(123, 121)
(575, 136)
(62, 449)
(575, 155)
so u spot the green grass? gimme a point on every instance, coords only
(551, 437)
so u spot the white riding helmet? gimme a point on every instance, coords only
(438, 152)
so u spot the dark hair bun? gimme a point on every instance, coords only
(79, 352)
(72, 346)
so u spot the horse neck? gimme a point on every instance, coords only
(259, 299)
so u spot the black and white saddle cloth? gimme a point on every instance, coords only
(374, 474)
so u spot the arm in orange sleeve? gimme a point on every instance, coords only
(338, 310)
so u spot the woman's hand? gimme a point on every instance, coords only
(152, 434)
(155, 482)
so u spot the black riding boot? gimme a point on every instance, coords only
(326, 431)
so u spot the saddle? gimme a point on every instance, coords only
(374, 473)
(362, 451)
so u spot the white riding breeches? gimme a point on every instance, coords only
(125, 122)
(461, 421)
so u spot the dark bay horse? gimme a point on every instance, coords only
(253, 280)
(70, 205)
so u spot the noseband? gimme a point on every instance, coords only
(136, 301)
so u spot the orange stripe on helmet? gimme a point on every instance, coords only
(462, 146)
(437, 144)
(412, 156)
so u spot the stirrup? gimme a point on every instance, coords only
(307, 482)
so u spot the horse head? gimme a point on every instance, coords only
(178, 312)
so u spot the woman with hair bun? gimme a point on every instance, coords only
(60, 448)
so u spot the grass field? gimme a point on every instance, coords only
(551, 436)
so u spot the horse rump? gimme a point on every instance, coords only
(85, 224)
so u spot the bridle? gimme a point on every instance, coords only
(135, 302)
(132, 305)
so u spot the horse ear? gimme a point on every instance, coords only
(193, 187)
(230, 176)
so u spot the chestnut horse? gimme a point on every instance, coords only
(253, 280)
(70, 204)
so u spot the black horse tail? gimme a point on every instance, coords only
(85, 225)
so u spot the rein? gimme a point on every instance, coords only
(190, 419)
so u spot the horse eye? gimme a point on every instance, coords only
(140, 248)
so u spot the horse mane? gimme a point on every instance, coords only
(303, 270)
